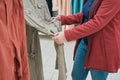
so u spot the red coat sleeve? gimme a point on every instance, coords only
(72, 19)
(106, 12)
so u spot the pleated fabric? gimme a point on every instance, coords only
(64, 7)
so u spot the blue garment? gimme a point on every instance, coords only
(77, 6)
(79, 72)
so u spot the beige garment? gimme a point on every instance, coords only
(54, 5)
(60, 60)
(64, 7)
(35, 58)
(38, 18)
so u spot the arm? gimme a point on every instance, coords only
(106, 12)
(71, 19)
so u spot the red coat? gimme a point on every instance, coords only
(103, 31)
(13, 52)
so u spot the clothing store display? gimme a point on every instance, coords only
(38, 19)
(13, 49)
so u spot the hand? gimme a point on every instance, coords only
(56, 18)
(59, 38)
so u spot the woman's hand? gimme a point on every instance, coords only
(56, 18)
(59, 38)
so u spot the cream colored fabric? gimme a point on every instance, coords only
(64, 7)
(37, 15)
(38, 19)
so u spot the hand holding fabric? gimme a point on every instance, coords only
(59, 38)
(56, 18)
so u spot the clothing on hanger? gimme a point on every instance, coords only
(77, 6)
(38, 19)
(64, 7)
(13, 49)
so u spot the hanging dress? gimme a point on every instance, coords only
(13, 49)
